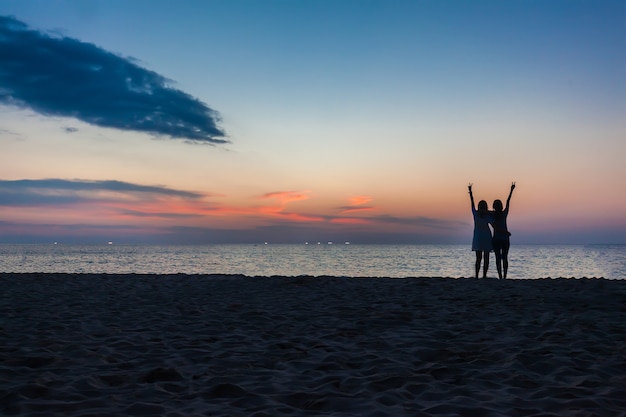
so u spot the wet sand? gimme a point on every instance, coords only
(193, 345)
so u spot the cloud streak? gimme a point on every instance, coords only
(58, 191)
(62, 76)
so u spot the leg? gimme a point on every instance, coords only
(479, 257)
(486, 266)
(499, 263)
(497, 250)
(505, 258)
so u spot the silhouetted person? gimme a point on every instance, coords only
(501, 240)
(482, 241)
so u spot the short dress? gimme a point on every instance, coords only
(482, 234)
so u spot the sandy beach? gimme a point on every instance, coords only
(194, 345)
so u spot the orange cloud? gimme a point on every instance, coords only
(357, 204)
(360, 200)
(285, 197)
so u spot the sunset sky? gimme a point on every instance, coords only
(286, 121)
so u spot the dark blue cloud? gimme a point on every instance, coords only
(57, 191)
(61, 76)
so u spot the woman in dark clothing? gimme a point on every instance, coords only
(501, 241)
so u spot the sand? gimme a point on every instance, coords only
(150, 345)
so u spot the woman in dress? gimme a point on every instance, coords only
(501, 241)
(482, 241)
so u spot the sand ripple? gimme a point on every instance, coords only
(98, 345)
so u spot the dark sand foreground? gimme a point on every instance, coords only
(115, 345)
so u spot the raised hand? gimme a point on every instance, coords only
(510, 194)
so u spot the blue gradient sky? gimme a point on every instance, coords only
(346, 120)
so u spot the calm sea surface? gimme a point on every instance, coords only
(397, 261)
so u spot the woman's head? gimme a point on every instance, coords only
(482, 205)
(497, 205)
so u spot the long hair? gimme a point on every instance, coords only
(497, 209)
(482, 208)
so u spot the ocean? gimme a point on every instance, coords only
(395, 261)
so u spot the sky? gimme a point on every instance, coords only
(284, 121)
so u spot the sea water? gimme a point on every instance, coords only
(396, 261)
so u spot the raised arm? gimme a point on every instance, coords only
(508, 200)
(469, 187)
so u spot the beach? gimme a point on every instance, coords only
(228, 345)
